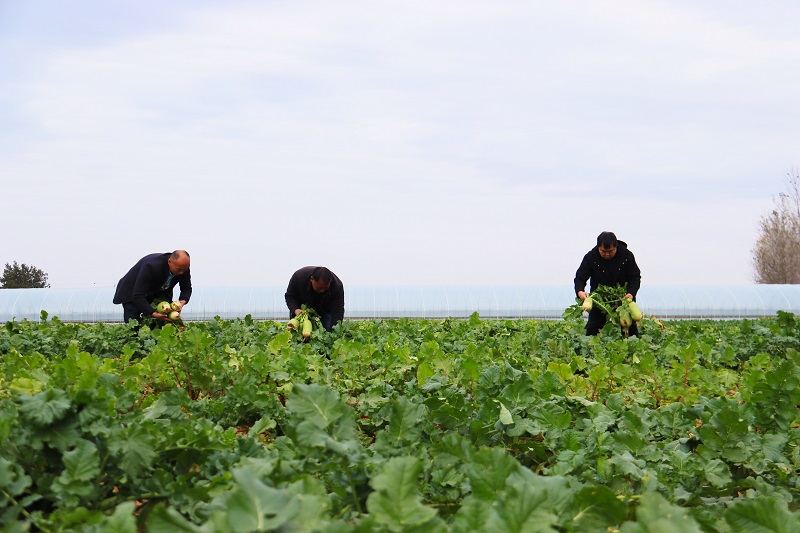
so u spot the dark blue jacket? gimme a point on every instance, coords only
(144, 283)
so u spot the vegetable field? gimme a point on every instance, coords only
(401, 426)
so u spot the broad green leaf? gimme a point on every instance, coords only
(404, 422)
(762, 515)
(122, 520)
(558, 489)
(772, 446)
(549, 385)
(313, 505)
(520, 392)
(82, 463)
(254, 506)
(631, 441)
(489, 471)
(596, 509)
(25, 385)
(396, 502)
(263, 424)
(469, 368)
(656, 515)
(628, 465)
(472, 515)
(523, 508)
(718, 473)
(316, 404)
(562, 370)
(169, 405)
(341, 439)
(136, 447)
(424, 373)
(280, 342)
(163, 519)
(505, 415)
(77, 480)
(455, 445)
(13, 480)
(599, 373)
(45, 407)
(474, 319)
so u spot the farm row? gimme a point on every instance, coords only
(401, 425)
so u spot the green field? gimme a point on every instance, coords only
(401, 425)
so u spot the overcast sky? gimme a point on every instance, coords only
(396, 142)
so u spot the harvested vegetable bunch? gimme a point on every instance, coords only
(302, 323)
(172, 310)
(622, 311)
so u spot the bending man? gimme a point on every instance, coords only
(321, 290)
(152, 278)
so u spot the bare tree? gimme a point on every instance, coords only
(776, 256)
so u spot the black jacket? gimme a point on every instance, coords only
(143, 283)
(300, 292)
(619, 270)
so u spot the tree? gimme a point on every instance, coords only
(23, 277)
(776, 256)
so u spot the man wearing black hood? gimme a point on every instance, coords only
(609, 263)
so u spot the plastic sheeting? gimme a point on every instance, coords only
(365, 302)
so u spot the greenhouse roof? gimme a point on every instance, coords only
(371, 302)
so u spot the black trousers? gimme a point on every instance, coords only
(597, 319)
(129, 312)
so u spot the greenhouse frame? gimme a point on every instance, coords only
(384, 302)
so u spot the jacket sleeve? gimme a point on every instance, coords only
(583, 274)
(337, 307)
(634, 277)
(186, 286)
(292, 295)
(145, 281)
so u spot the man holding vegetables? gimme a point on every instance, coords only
(317, 288)
(610, 263)
(153, 277)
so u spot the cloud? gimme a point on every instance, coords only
(409, 142)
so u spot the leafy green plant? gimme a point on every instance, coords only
(400, 425)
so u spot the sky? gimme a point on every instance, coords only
(396, 142)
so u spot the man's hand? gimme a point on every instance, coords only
(582, 295)
(297, 312)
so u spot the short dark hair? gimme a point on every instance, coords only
(322, 274)
(606, 240)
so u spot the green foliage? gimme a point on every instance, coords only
(400, 425)
(22, 276)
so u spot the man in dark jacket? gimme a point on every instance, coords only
(321, 290)
(609, 263)
(152, 278)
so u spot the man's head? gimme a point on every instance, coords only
(178, 262)
(321, 279)
(607, 245)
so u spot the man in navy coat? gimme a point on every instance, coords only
(152, 278)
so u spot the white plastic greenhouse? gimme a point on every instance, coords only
(366, 302)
